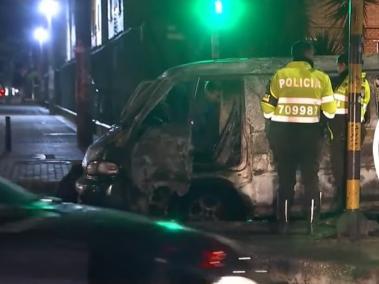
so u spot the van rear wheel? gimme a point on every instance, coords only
(210, 205)
(206, 207)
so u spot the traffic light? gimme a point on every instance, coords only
(219, 14)
(218, 7)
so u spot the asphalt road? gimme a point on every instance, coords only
(42, 139)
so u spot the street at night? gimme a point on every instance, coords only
(202, 141)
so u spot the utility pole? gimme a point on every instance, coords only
(50, 68)
(355, 94)
(82, 89)
(351, 221)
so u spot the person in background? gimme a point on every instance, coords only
(338, 125)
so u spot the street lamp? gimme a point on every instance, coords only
(41, 35)
(50, 9)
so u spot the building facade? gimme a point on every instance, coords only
(130, 41)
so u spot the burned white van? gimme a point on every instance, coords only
(193, 143)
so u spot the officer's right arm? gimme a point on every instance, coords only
(366, 98)
(270, 100)
(328, 104)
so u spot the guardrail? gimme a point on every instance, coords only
(100, 127)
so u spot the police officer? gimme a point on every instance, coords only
(297, 96)
(338, 125)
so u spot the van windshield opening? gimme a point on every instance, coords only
(137, 100)
(216, 123)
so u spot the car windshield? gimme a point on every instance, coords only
(12, 194)
(137, 100)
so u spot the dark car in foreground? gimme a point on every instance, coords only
(47, 241)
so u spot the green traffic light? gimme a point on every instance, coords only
(219, 14)
(218, 7)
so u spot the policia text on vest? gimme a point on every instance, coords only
(296, 97)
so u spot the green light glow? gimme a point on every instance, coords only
(40, 205)
(170, 225)
(218, 7)
(219, 14)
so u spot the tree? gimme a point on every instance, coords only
(325, 45)
(339, 16)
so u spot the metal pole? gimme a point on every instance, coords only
(82, 88)
(355, 89)
(50, 70)
(215, 44)
(8, 134)
(351, 222)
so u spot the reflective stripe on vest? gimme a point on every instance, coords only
(295, 119)
(342, 103)
(298, 110)
(302, 101)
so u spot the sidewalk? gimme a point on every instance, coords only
(43, 147)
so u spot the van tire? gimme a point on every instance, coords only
(215, 204)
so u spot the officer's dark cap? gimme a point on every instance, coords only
(213, 86)
(299, 49)
(343, 59)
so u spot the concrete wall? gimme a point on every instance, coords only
(263, 189)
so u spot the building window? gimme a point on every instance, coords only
(115, 17)
(96, 33)
(71, 31)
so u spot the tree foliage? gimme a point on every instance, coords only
(338, 13)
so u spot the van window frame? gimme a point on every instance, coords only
(167, 85)
(244, 155)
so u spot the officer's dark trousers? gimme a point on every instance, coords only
(297, 146)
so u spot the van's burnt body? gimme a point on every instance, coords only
(161, 159)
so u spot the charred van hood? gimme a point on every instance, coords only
(98, 150)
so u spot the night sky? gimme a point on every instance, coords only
(17, 21)
(16, 18)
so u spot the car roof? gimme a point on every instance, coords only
(253, 66)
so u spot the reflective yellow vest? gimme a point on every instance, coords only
(297, 93)
(341, 95)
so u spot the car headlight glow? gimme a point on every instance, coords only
(234, 280)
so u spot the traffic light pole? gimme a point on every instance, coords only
(50, 70)
(215, 44)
